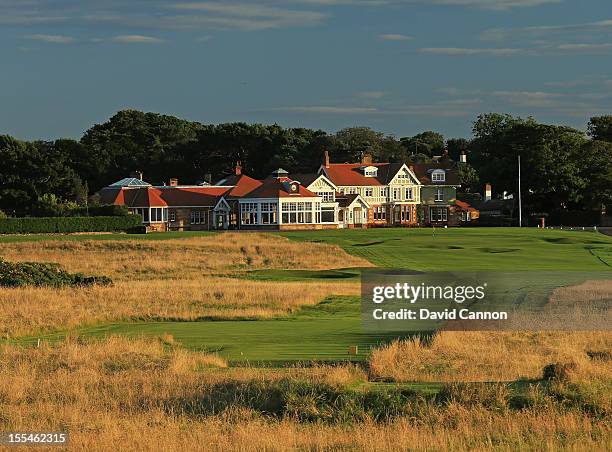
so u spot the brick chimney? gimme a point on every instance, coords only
(488, 192)
(174, 182)
(238, 168)
(366, 159)
(463, 157)
(326, 159)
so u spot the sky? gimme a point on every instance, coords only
(398, 66)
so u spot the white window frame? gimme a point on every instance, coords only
(409, 192)
(439, 195)
(326, 196)
(369, 191)
(438, 176)
(249, 213)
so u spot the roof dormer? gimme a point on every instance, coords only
(438, 175)
(292, 187)
(369, 171)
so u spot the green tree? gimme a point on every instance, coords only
(597, 172)
(456, 146)
(600, 128)
(468, 177)
(428, 143)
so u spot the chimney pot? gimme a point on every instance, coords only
(463, 157)
(488, 192)
(366, 159)
(238, 168)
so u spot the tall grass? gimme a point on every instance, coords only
(182, 258)
(487, 356)
(148, 395)
(168, 280)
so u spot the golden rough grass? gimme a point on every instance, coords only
(455, 356)
(122, 394)
(30, 309)
(174, 279)
(588, 291)
(182, 258)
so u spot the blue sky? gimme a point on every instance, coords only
(399, 66)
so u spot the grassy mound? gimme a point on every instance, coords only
(19, 274)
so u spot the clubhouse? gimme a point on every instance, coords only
(338, 195)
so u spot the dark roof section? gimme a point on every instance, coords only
(305, 178)
(476, 201)
(345, 200)
(423, 172)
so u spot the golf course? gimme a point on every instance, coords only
(326, 330)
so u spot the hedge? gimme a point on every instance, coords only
(32, 225)
(105, 210)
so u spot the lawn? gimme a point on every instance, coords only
(508, 249)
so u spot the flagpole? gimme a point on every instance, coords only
(520, 204)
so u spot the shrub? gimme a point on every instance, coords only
(492, 396)
(18, 274)
(558, 371)
(2, 215)
(68, 224)
(306, 401)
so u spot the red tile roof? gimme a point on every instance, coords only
(243, 184)
(352, 173)
(164, 196)
(465, 206)
(193, 196)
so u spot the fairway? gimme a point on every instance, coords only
(320, 333)
(472, 248)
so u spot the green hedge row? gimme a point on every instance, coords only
(31, 225)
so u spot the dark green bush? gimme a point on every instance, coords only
(31, 225)
(18, 274)
(558, 371)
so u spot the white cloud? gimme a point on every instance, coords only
(327, 109)
(244, 16)
(463, 51)
(485, 4)
(585, 46)
(499, 34)
(136, 39)
(395, 37)
(538, 99)
(56, 39)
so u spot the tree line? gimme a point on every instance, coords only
(563, 168)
